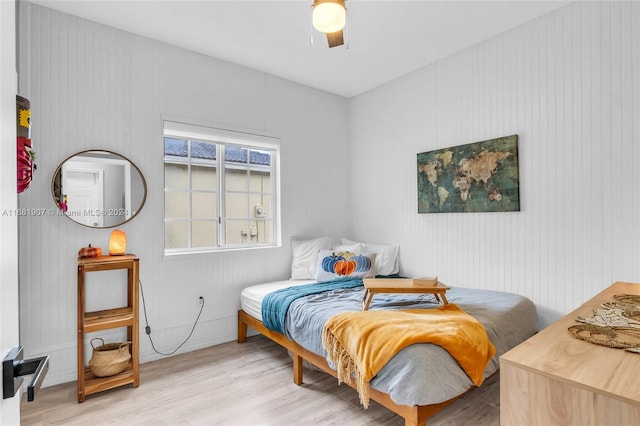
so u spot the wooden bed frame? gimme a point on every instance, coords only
(413, 415)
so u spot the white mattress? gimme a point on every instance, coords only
(251, 297)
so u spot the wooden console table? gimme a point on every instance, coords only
(555, 379)
(400, 285)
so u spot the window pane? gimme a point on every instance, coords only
(237, 232)
(176, 147)
(204, 205)
(236, 180)
(264, 231)
(176, 176)
(259, 181)
(203, 177)
(266, 204)
(203, 150)
(235, 155)
(205, 233)
(260, 158)
(175, 234)
(237, 205)
(176, 205)
(258, 200)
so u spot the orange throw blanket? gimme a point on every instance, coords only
(361, 343)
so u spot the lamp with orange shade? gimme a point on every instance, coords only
(117, 243)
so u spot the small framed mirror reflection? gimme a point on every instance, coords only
(99, 189)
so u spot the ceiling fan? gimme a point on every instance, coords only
(330, 17)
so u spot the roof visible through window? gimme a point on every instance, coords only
(234, 154)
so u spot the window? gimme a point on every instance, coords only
(220, 189)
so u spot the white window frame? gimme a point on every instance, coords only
(222, 138)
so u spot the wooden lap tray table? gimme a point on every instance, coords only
(401, 285)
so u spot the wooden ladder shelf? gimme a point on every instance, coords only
(89, 322)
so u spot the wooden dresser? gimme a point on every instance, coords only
(556, 379)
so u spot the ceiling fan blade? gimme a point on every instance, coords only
(335, 39)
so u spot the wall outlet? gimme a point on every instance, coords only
(200, 300)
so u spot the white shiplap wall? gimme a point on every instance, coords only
(568, 84)
(92, 86)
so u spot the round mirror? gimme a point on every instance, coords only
(99, 189)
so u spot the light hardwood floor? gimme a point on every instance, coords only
(238, 384)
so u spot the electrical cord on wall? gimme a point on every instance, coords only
(147, 329)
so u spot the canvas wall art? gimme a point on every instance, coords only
(476, 177)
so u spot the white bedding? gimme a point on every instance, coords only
(251, 297)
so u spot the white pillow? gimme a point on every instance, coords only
(386, 256)
(353, 248)
(304, 256)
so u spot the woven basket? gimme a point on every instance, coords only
(109, 359)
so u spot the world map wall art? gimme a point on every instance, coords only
(476, 177)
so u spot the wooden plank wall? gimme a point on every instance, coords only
(568, 84)
(91, 87)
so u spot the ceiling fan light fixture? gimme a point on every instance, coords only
(329, 16)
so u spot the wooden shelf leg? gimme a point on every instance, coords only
(80, 335)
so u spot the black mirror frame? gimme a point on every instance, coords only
(59, 171)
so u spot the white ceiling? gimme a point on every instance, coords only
(386, 39)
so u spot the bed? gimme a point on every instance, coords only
(419, 380)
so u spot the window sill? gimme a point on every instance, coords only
(195, 252)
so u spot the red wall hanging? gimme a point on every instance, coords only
(25, 164)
